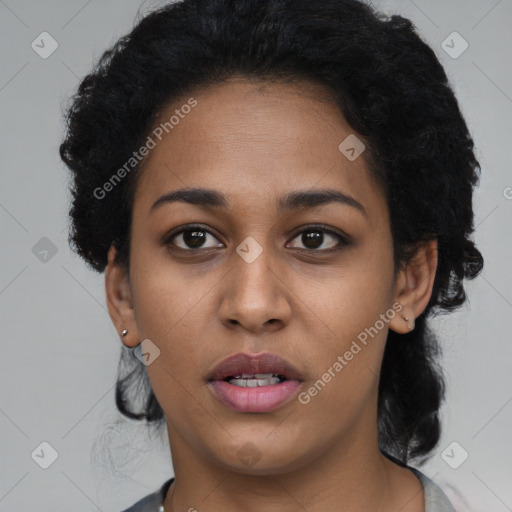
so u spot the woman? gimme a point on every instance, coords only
(280, 195)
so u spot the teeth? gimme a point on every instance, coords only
(253, 381)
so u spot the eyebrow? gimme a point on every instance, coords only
(309, 198)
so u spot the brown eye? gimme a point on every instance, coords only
(319, 238)
(193, 238)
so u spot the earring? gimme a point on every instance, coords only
(411, 327)
(124, 332)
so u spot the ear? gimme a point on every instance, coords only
(119, 300)
(413, 287)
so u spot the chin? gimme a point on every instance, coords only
(262, 457)
(264, 467)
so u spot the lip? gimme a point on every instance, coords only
(257, 399)
(257, 363)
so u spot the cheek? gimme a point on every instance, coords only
(355, 308)
(168, 312)
(345, 379)
(350, 297)
(167, 299)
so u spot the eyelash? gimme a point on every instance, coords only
(343, 239)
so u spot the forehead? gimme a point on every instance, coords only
(254, 141)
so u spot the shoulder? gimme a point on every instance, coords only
(151, 502)
(435, 498)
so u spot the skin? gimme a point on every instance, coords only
(255, 142)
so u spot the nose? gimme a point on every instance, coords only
(255, 295)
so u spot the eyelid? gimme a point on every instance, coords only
(325, 229)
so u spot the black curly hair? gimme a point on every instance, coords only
(391, 89)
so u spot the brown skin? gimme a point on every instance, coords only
(256, 142)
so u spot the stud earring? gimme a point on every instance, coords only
(124, 332)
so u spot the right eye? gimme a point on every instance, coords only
(192, 238)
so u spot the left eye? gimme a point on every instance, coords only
(315, 237)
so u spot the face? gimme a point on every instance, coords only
(310, 280)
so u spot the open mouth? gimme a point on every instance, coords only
(254, 382)
(246, 380)
(250, 370)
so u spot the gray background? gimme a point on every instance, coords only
(59, 348)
